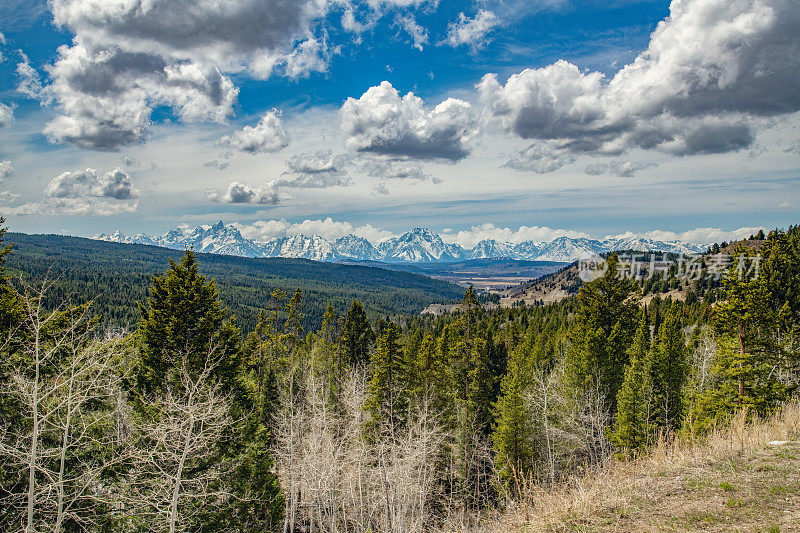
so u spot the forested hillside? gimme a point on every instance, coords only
(417, 423)
(116, 276)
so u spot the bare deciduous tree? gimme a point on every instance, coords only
(66, 386)
(340, 479)
(175, 475)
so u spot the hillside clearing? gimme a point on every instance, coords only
(746, 478)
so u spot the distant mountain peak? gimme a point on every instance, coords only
(417, 245)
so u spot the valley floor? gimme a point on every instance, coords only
(744, 479)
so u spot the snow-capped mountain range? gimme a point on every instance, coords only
(418, 245)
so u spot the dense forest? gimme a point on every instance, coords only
(116, 276)
(364, 423)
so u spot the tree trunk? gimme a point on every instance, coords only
(63, 457)
(176, 491)
(742, 353)
(34, 442)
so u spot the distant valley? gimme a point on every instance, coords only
(496, 274)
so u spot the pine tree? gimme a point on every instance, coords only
(669, 370)
(386, 400)
(260, 353)
(410, 357)
(293, 327)
(601, 331)
(754, 356)
(513, 435)
(745, 315)
(473, 390)
(632, 425)
(10, 306)
(183, 322)
(184, 334)
(329, 325)
(357, 336)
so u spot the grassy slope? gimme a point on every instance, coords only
(736, 480)
(118, 275)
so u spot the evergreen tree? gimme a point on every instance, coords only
(293, 327)
(601, 332)
(410, 357)
(669, 370)
(185, 329)
(357, 336)
(473, 389)
(183, 322)
(754, 356)
(429, 373)
(329, 324)
(746, 316)
(10, 306)
(513, 436)
(260, 353)
(632, 425)
(386, 400)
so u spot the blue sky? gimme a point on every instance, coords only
(528, 119)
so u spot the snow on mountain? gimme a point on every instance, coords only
(417, 245)
(300, 247)
(566, 250)
(174, 239)
(223, 240)
(358, 248)
(640, 244)
(490, 248)
(528, 250)
(118, 236)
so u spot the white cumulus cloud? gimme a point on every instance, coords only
(129, 57)
(712, 72)
(239, 193)
(383, 122)
(316, 170)
(266, 136)
(116, 185)
(85, 192)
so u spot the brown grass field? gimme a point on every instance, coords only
(742, 478)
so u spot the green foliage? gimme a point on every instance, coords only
(513, 436)
(757, 324)
(632, 426)
(184, 331)
(10, 306)
(357, 335)
(516, 393)
(387, 394)
(669, 369)
(183, 324)
(116, 276)
(601, 331)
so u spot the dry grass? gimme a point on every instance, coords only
(734, 480)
